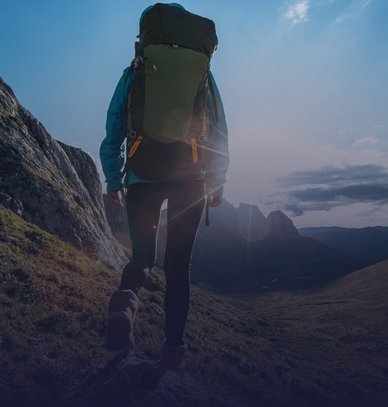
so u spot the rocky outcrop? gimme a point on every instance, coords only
(280, 226)
(51, 184)
(134, 381)
(252, 224)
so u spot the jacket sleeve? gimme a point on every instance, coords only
(218, 153)
(111, 158)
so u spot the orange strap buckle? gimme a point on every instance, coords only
(134, 146)
(194, 150)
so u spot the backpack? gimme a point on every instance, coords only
(168, 100)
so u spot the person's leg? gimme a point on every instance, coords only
(143, 204)
(185, 207)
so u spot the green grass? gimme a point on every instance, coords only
(53, 302)
(294, 349)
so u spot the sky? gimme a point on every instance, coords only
(304, 87)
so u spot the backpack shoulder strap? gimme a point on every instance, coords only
(214, 97)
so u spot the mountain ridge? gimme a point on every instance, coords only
(369, 244)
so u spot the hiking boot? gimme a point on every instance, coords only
(173, 357)
(122, 311)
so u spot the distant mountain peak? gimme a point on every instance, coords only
(281, 226)
(252, 224)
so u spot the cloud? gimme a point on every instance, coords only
(365, 3)
(355, 10)
(360, 193)
(331, 175)
(330, 187)
(366, 140)
(294, 209)
(297, 12)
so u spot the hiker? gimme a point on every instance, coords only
(166, 139)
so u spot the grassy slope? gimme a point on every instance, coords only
(52, 302)
(295, 349)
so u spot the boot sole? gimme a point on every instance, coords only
(119, 333)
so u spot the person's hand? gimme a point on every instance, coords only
(215, 198)
(116, 197)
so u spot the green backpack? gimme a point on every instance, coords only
(168, 100)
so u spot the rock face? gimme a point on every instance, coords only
(280, 226)
(253, 225)
(134, 381)
(50, 184)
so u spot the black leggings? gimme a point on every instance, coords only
(184, 210)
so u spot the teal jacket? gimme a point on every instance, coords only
(111, 156)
